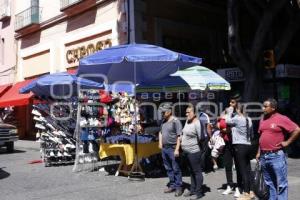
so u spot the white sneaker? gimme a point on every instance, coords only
(237, 193)
(35, 112)
(50, 126)
(228, 190)
(37, 135)
(51, 154)
(83, 122)
(87, 159)
(91, 150)
(36, 118)
(59, 154)
(215, 168)
(40, 126)
(66, 154)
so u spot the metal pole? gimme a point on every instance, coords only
(131, 22)
(135, 174)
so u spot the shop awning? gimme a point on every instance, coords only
(13, 98)
(4, 88)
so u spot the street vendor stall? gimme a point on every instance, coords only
(133, 63)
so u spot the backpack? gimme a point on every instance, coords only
(204, 134)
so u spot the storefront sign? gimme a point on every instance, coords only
(75, 53)
(231, 74)
(288, 71)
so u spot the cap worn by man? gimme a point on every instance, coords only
(166, 107)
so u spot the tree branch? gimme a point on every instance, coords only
(264, 27)
(235, 48)
(287, 36)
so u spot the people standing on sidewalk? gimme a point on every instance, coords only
(273, 129)
(241, 130)
(169, 142)
(228, 152)
(190, 144)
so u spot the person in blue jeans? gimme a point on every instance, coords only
(169, 142)
(272, 129)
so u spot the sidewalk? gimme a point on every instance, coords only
(27, 144)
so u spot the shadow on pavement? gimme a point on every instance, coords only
(3, 174)
(3, 151)
(205, 188)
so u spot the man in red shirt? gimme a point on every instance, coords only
(272, 129)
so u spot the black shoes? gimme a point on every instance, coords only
(178, 192)
(169, 190)
(198, 196)
(188, 194)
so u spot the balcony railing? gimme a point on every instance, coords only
(64, 4)
(4, 9)
(28, 17)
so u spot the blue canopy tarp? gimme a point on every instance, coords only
(59, 85)
(133, 62)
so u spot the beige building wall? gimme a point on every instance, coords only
(8, 46)
(49, 8)
(22, 5)
(58, 47)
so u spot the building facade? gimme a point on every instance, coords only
(60, 32)
(8, 45)
(41, 37)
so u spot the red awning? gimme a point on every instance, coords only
(4, 88)
(13, 98)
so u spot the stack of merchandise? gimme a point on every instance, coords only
(107, 117)
(57, 144)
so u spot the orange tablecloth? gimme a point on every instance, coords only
(126, 151)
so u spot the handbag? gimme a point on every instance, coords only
(260, 188)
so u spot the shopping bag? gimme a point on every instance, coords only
(260, 189)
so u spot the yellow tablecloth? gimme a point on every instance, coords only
(126, 151)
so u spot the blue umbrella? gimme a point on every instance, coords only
(133, 62)
(59, 85)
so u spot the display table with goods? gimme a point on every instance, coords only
(126, 153)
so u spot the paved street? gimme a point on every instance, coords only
(20, 180)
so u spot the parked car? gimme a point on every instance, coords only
(8, 135)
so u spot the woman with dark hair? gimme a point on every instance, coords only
(241, 127)
(191, 135)
(228, 151)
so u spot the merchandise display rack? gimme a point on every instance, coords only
(57, 145)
